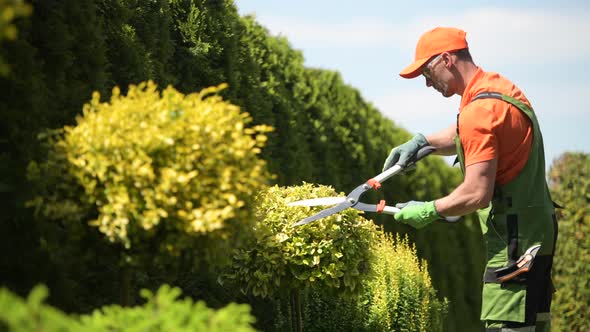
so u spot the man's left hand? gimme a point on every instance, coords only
(417, 214)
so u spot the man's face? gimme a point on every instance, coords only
(437, 75)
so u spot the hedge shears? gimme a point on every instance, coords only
(352, 200)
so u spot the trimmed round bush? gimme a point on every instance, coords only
(330, 253)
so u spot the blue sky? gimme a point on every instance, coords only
(542, 46)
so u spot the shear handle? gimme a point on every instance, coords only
(379, 208)
(425, 151)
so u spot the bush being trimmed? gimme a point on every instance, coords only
(332, 253)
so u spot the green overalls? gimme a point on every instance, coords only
(520, 215)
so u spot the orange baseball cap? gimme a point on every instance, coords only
(431, 43)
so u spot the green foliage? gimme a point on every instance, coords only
(163, 311)
(332, 253)
(270, 84)
(206, 42)
(570, 186)
(32, 314)
(141, 45)
(149, 166)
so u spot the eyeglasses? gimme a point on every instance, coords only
(427, 71)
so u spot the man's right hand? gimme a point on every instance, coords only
(402, 153)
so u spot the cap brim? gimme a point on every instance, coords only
(413, 70)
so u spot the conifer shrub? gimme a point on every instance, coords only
(398, 296)
(155, 171)
(162, 311)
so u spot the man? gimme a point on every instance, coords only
(500, 149)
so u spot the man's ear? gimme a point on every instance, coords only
(448, 59)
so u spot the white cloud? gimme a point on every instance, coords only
(496, 35)
(534, 36)
(349, 33)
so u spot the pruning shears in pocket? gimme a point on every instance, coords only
(352, 200)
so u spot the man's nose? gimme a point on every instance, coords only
(428, 82)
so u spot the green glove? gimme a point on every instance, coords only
(417, 214)
(401, 154)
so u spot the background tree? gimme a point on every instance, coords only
(570, 186)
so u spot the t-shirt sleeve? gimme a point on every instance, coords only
(476, 128)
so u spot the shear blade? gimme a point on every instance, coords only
(323, 213)
(318, 201)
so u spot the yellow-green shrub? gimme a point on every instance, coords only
(163, 311)
(154, 169)
(331, 253)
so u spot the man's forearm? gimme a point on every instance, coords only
(474, 193)
(444, 141)
(460, 202)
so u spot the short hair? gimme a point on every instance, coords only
(463, 54)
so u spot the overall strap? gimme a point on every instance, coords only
(460, 159)
(484, 95)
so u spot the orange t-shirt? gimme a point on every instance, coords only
(494, 129)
